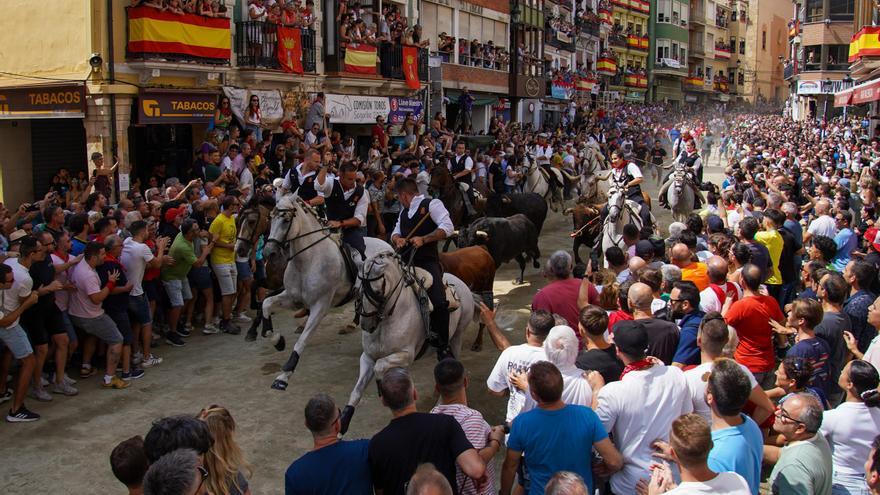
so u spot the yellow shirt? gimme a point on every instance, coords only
(223, 229)
(773, 242)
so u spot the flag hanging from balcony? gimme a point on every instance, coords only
(153, 31)
(411, 66)
(360, 58)
(290, 49)
(864, 43)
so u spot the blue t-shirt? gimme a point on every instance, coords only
(338, 469)
(687, 352)
(77, 247)
(817, 353)
(846, 241)
(739, 449)
(560, 440)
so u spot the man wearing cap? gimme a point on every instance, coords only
(173, 219)
(662, 395)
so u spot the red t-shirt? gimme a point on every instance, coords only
(379, 133)
(751, 317)
(560, 296)
(615, 316)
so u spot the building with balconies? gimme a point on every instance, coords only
(710, 50)
(668, 59)
(629, 45)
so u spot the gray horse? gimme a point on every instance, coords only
(315, 276)
(680, 195)
(621, 211)
(391, 318)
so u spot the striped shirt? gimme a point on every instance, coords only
(477, 430)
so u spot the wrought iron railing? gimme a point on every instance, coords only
(256, 46)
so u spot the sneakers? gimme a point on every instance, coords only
(134, 374)
(226, 326)
(5, 396)
(151, 361)
(183, 331)
(64, 388)
(86, 372)
(43, 381)
(188, 327)
(241, 317)
(137, 358)
(21, 416)
(41, 395)
(173, 339)
(116, 383)
(210, 330)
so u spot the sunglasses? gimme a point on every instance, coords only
(203, 475)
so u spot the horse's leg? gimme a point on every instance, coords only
(576, 245)
(364, 376)
(259, 319)
(477, 346)
(316, 313)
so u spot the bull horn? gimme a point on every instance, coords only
(568, 211)
(482, 234)
(571, 178)
(505, 200)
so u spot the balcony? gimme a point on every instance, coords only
(698, 16)
(722, 52)
(617, 40)
(635, 42)
(697, 50)
(256, 46)
(635, 81)
(559, 39)
(638, 6)
(156, 35)
(587, 28)
(788, 71)
(499, 63)
(391, 62)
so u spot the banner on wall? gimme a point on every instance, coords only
(356, 109)
(271, 108)
(402, 106)
(290, 49)
(157, 106)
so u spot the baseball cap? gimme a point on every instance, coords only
(631, 337)
(872, 235)
(173, 213)
(644, 249)
(714, 223)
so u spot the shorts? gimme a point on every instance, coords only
(120, 318)
(178, 291)
(139, 307)
(101, 327)
(200, 278)
(244, 271)
(17, 341)
(151, 289)
(226, 276)
(41, 323)
(260, 272)
(68, 327)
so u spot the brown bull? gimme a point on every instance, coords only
(476, 268)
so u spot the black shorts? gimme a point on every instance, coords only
(120, 317)
(151, 289)
(42, 322)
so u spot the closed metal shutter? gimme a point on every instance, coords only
(55, 144)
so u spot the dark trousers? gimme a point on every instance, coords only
(437, 295)
(354, 237)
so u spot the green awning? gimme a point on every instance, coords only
(479, 98)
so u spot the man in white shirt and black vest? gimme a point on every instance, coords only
(693, 165)
(461, 166)
(346, 205)
(301, 179)
(422, 223)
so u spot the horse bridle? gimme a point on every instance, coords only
(246, 214)
(284, 245)
(378, 299)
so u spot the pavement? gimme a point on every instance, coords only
(68, 450)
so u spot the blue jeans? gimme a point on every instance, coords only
(849, 485)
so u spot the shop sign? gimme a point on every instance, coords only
(356, 109)
(43, 102)
(402, 106)
(172, 107)
(271, 107)
(819, 87)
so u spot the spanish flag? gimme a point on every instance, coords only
(865, 43)
(606, 66)
(153, 31)
(360, 59)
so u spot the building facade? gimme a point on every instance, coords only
(668, 59)
(629, 43)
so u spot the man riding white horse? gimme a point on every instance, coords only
(301, 179)
(693, 165)
(346, 205)
(422, 223)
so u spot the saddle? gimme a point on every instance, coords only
(351, 269)
(426, 281)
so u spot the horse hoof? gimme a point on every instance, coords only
(535, 264)
(250, 337)
(518, 281)
(477, 346)
(347, 329)
(279, 385)
(345, 419)
(300, 329)
(280, 343)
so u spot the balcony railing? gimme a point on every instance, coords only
(256, 46)
(589, 28)
(788, 71)
(391, 61)
(697, 49)
(492, 63)
(698, 16)
(559, 39)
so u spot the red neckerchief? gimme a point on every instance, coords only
(636, 366)
(619, 167)
(64, 256)
(112, 259)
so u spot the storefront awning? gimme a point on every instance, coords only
(863, 93)
(43, 102)
(843, 98)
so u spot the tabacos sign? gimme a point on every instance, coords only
(43, 102)
(161, 107)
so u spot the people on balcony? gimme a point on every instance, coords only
(476, 54)
(413, 37)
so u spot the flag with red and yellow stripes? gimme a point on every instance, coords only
(865, 43)
(151, 30)
(360, 58)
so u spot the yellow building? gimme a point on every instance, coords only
(630, 42)
(766, 49)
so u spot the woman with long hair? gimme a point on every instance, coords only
(850, 427)
(228, 470)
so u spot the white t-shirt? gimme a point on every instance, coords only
(134, 258)
(709, 299)
(576, 389)
(824, 225)
(62, 297)
(22, 286)
(850, 428)
(514, 358)
(872, 355)
(637, 410)
(696, 383)
(657, 304)
(723, 484)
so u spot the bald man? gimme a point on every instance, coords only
(663, 335)
(691, 270)
(823, 224)
(713, 297)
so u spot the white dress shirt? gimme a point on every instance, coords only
(360, 210)
(437, 211)
(468, 163)
(302, 178)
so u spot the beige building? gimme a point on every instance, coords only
(766, 48)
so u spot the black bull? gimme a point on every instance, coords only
(513, 237)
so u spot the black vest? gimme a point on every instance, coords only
(306, 189)
(458, 166)
(690, 160)
(634, 193)
(428, 252)
(339, 208)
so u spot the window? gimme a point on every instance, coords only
(708, 73)
(685, 13)
(733, 15)
(710, 41)
(812, 57)
(841, 10)
(662, 50)
(732, 43)
(682, 57)
(664, 10)
(764, 40)
(742, 46)
(742, 78)
(638, 29)
(815, 10)
(838, 57)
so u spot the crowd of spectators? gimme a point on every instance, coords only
(206, 8)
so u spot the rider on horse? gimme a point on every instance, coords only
(422, 223)
(693, 166)
(628, 176)
(346, 204)
(461, 166)
(301, 179)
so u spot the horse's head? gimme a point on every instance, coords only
(616, 198)
(282, 228)
(441, 179)
(252, 221)
(380, 278)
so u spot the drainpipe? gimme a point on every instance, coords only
(111, 67)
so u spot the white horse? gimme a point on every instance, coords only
(538, 183)
(621, 211)
(679, 195)
(315, 276)
(391, 318)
